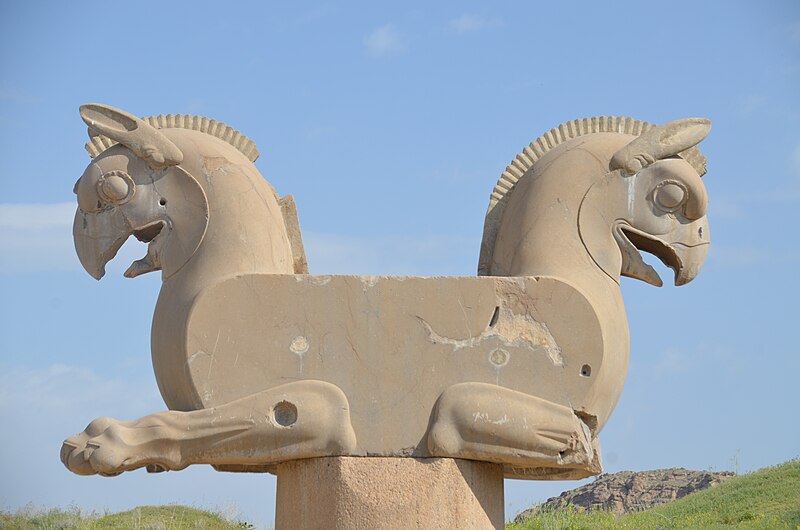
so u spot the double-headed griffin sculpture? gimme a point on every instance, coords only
(260, 363)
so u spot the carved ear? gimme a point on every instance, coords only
(140, 137)
(660, 142)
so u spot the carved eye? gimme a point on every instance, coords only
(670, 195)
(115, 187)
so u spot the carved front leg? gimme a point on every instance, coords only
(298, 420)
(531, 436)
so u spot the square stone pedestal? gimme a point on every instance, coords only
(402, 493)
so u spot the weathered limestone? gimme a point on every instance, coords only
(389, 493)
(395, 346)
(633, 491)
(262, 364)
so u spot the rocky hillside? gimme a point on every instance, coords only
(629, 491)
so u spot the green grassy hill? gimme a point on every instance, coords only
(765, 499)
(141, 518)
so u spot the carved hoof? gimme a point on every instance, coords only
(109, 447)
(73, 450)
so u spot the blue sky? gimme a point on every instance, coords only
(390, 125)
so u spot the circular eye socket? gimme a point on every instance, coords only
(115, 187)
(669, 195)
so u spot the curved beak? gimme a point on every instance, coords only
(98, 236)
(691, 248)
(692, 259)
(683, 250)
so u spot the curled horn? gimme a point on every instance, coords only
(660, 142)
(141, 138)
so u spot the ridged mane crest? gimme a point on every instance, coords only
(528, 157)
(99, 143)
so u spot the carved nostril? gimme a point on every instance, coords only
(700, 232)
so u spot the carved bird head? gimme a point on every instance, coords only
(655, 202)
(136, 188)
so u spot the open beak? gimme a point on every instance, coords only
(99, 235)
(683, 250)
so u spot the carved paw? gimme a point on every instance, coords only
(108, 447)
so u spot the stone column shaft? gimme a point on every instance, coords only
(388, 493)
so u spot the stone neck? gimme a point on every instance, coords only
(244, 236)
(550, 243)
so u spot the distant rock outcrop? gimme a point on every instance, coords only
(629, 491)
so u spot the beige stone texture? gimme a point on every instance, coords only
(261, 364)
(389, 493)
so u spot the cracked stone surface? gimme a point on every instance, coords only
(443, 331)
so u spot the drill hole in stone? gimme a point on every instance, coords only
(284, 414)
(162, 201)
(586, 370)
(495, 316)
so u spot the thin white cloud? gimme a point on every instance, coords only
(34, 216)
(385, 40)
(469, 22)
(74, 391)
(37, 237)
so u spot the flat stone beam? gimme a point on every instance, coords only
(387, 493)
